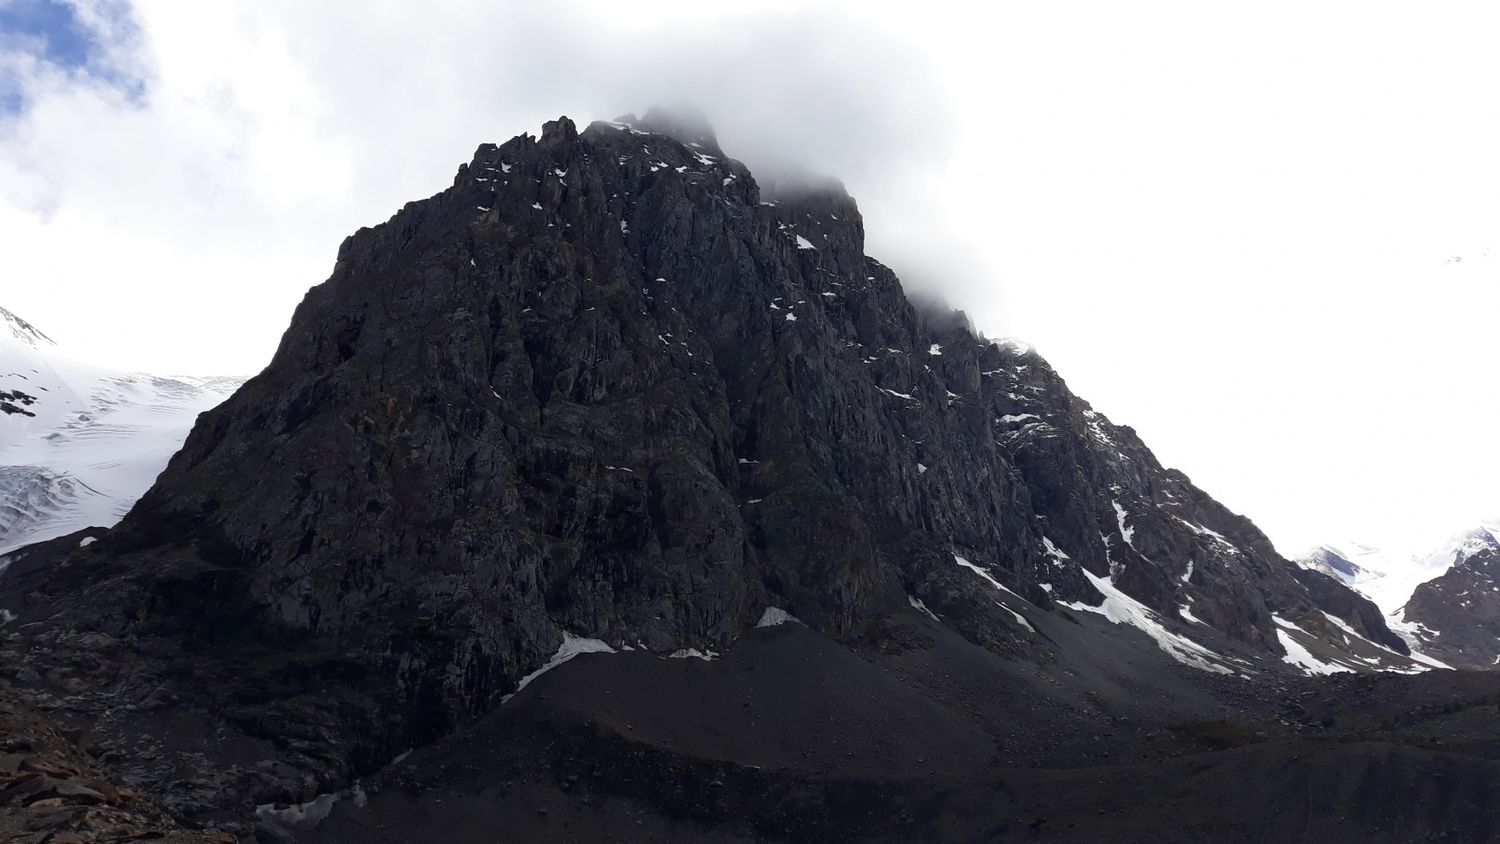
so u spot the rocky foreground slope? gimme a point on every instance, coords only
(603, 395)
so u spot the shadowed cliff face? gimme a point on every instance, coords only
(602, 385)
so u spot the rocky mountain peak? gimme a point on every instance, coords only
(684, 123)
(600, 389)
(1454, 612)
(23, 331)
(1463, 546)
(558, 133)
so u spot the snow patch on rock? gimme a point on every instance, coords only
(571, 646)
(1120, 608)
(1020, 619)
(916, 604)
(774, 616)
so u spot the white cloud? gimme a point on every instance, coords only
(1227, 228)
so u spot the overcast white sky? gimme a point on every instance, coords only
(1236, 227)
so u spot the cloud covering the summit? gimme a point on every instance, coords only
(1261, 235)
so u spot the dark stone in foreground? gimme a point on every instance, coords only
(629, 748)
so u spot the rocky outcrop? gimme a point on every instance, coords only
(1360, 612)
(1104, 502)
(52, 792)
(602, 386)
(1456, 616)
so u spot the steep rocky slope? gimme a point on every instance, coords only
(1455, 617)
(51, 792)
(602, 394)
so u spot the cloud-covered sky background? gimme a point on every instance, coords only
(1259, 233)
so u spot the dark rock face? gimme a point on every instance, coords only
(1101, 497)
(1458, 613)
(15, 401)
(1334, 598)
(602, 385)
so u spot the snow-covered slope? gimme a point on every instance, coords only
(80, 443)
(1349, 563)
(1461, 547)
(1386, 579)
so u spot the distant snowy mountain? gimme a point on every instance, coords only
(1462, 547)
(1384, 578)
(1350, 563)
(80, 443)
(1447, 592)
(1455, 615)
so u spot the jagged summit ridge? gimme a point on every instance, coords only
(25, 332)
(684, 124)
